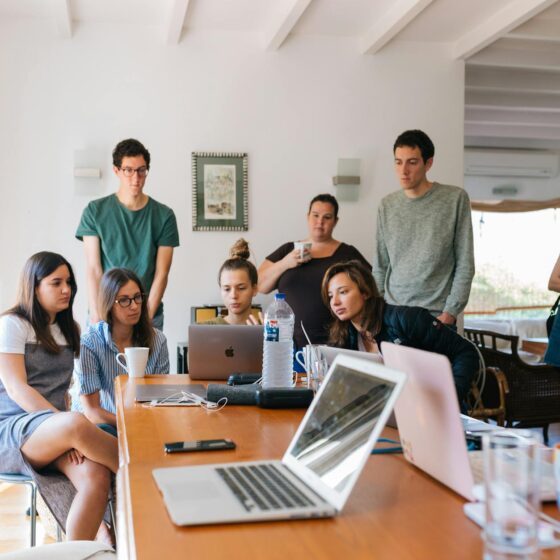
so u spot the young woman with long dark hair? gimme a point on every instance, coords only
(39, 340)
(362, 320)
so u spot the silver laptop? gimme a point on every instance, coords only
(318, 470)
(217, 351)
(431, 427)
(331, 352)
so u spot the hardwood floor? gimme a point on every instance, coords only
(14, 523)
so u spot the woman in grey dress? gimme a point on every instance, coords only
(38, 342)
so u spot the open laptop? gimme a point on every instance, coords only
(431, 427)
(331, 352)
(217, 351)
(318, 470)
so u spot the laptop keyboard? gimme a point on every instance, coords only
(263, 487)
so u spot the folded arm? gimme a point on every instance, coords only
(270, 272)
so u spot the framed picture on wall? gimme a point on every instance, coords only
(219, 191)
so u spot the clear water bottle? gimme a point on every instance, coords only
(278, 344)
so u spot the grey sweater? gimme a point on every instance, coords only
(424, 253)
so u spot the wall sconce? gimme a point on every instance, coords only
(347, 179)
(87, 172)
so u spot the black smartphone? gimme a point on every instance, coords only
(199, 445)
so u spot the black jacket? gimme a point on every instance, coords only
(417, 328)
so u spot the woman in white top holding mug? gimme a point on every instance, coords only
(122, 307)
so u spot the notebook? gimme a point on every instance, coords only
(217, 351)
(318, 470)
(431, 426)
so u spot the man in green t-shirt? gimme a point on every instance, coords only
(129, 229)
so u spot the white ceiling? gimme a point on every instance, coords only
(511, 47)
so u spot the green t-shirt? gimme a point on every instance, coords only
(130, 238)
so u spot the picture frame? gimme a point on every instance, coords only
(219, 191)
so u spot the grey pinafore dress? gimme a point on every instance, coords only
(50, 375)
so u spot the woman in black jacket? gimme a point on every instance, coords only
(363, 320)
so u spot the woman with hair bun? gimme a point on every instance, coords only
(238, 280)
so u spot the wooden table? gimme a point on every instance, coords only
(535, 345)
(394, 512)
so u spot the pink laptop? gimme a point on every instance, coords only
(428, 417)
(430, 425)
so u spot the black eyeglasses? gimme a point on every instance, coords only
(125, 301)
(130, 171)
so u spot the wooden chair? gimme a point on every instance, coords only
(532, 398)
(491, 405)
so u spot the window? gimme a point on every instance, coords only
(514, 256)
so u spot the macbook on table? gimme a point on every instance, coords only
(318, 470)
(431, 427)
(217, 351)
(331, 352)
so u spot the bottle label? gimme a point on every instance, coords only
(272, 331)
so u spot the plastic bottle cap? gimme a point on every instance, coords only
(279, 296)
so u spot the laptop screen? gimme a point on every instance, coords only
(331, 442)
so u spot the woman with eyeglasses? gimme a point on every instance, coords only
(122, 307)
(69, 458)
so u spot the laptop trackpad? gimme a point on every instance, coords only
(199, 490)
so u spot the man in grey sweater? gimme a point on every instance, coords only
(424, 254)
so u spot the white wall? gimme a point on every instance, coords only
(295, 112)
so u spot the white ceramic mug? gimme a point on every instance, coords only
(303, 246)
(306, 355)
(136, 359)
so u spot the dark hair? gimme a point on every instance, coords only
(372, 317)
(130, 148)
(39, 266)
(111, 282)
(239, 253)
(327, 199)
(416, 139)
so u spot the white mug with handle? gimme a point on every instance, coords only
(136, 359)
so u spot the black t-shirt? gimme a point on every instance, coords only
(302, 286)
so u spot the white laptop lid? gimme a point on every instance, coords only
(336, 436)
(429, 419)
(217, 351)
